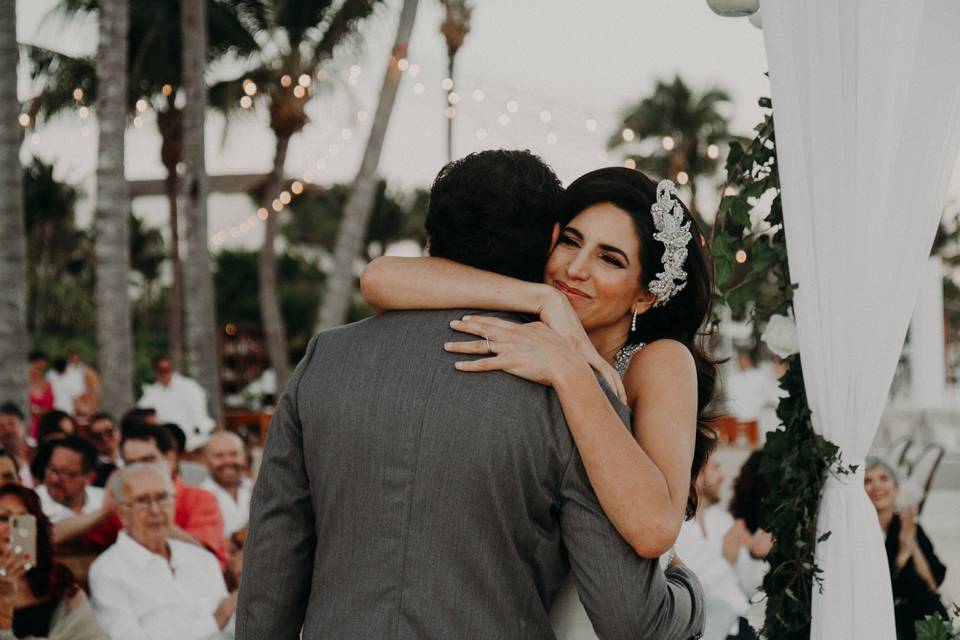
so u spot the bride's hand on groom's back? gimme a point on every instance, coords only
(532, 351)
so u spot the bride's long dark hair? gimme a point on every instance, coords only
(683, 317)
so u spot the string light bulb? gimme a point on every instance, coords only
(741, 256)
(78, 94)
(250, 87)
(141, 105)
(713, 152)
(296, 187)
(286, 81)
(304, 80)
(167, 90)
(419, 88)
(447, 84)
(667, 143)
(630, 163)
(299, 91)
(246, 102)
(628, 135)
(24, 120)
(683, 178)
(451, 113)
(512, 106)
(403, 64)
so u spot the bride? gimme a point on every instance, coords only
(626, 288)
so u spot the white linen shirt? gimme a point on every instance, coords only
(236, 513)
(137, 594)
(702, 551)
(182, 402)
(56, 512)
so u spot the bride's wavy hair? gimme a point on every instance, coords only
(686, 313)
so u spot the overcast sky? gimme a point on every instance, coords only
(578, 61)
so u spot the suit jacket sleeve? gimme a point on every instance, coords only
(626, 597)
(279, 552)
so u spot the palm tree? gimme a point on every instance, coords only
(114, 331)
(685, 129)
(455, 28)
(154, 75)
(13, 247)
(200, 314)
(296, 39)
(359, 206)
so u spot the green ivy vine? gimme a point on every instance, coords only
(753, 280)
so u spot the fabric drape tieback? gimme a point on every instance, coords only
(846, 481)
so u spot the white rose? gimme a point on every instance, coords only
(781, 336)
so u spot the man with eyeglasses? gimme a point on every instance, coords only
(74, 506)
(105, 436)
(149, 584)
(197, 517)
(180, 400)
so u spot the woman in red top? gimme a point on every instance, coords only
(41, 391)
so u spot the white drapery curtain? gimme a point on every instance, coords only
(866, 100)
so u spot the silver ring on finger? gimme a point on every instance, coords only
(3, 572)
(489, 346)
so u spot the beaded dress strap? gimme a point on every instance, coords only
(625, 355)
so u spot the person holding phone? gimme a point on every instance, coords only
(39, 596)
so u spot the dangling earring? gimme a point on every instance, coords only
(633, 323)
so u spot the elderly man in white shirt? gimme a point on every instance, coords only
(148, 585)
(179, 400)
(226, 461)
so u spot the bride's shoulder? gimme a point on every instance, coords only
(665, 359)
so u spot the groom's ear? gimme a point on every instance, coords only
(555, 235)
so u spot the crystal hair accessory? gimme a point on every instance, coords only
(674, 232)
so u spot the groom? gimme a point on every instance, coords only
(401, 498)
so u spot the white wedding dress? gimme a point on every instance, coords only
(567, 615)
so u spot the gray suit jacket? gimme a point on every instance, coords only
(399, 498)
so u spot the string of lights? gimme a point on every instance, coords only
(491, 110)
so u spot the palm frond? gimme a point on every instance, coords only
(56, 76)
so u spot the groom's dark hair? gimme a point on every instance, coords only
(495, 210)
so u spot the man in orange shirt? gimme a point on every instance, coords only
(197, 515)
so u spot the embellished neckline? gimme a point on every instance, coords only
(622, 360)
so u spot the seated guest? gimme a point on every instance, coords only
(137, 416)
(43, 601)
(749, 490)
(106, 438)
(226, 461)
(710, 544)
(150, 585)
(55, 424)
(180, 400)
(74, 506)
(9, 471)
(915, 570)
(13, 438)
(189, 471)
(197, 516)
